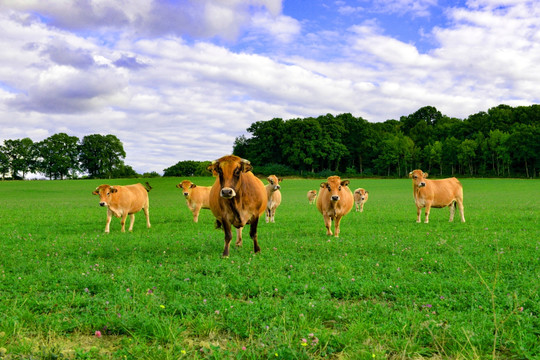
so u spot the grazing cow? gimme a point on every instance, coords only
(360, 198)
(122, 201)
(274, 197)
(311, 196)
(335, 200)
(197, 197)
(437, 194)
(237, 198)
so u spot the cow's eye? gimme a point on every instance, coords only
(329, 188)
(237, 172)
(414, 177)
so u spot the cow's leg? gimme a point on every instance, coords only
(147, 215)
(196, 211)
(452, 208)
(356, 205)
(272, 215)
(361, 207)
(123, 221)
(460, 206)
(109, 217)
(253, 233)
(328, 224)
(267, 215)
(418, 213)
(228, 237)
(239, 236)
(336, 225)
(428, 208)
(132, 220)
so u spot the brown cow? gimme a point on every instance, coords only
(274, 197)
(237, 198)
(311, 196)
(360, 198)
(197, 197)
(122, 201)
(335, 200)
(437, 194)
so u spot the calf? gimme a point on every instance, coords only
(335, 200)
(197, 197)
(237, 198)
(311, 196)
(274, 197)
(360, 198)
(437, 194)
(122, 201)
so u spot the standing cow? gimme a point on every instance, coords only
(335, 200)
(274, 197)
(311, 196)
(237, 198)
(122, 201)
(197, 197)
(360, 198)
(437, 194)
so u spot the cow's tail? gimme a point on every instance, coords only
(147, 187)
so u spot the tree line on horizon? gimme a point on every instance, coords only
(61, 156)
(502, 142)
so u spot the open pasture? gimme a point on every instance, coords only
(387, 288)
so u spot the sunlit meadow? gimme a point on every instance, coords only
(387, 288)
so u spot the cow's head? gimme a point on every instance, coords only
(229, 170)
(274, 181)
(418, 177)
(335, 186)
(186, 187)
(104, 192)
(361, 193)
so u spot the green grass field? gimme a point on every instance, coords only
(387, 288)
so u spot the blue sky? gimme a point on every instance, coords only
(180, 80)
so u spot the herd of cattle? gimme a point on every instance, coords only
(238, 198)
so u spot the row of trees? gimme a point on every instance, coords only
(504, 141)
(62, 156)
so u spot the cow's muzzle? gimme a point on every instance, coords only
(185, 194)
(422, 184)
(277, 187)
(334, 198)
(103, 203)
(227, 193)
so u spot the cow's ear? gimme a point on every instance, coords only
(280, 179)
(324, 184)
(178, 186)
(212, 167)
(410, 175)
(192, 185)
(425, 175)
(113, 190)
(95, 192)
(345, 183)
(246, 165)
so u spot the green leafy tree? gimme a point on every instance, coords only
(100, 155)
(524, 142)
(21, 156)
(301, 137)
(188, 168)
(4, 162)
(466, 154)
(58, 156)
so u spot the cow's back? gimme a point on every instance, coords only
(130, 198)
(443, 191)
(201, 195)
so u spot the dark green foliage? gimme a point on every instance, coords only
(188, 168)
(504, 141)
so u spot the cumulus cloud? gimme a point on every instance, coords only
(158, 82)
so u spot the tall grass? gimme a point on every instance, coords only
(386, 288)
